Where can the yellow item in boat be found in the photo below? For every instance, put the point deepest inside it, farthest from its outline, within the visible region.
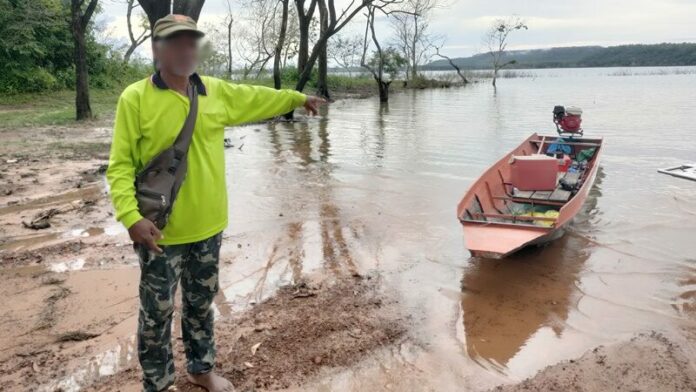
(548, 214)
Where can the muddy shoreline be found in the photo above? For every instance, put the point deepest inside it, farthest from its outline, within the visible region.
(70, 288)
(647, 362)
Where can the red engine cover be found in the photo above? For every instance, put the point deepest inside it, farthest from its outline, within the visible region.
(570, 123)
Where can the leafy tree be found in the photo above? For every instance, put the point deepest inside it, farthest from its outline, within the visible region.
(36, 48)
(392, 61)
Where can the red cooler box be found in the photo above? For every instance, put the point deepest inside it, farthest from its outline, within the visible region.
(534, 172)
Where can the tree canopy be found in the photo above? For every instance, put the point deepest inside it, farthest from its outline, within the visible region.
(36, 51)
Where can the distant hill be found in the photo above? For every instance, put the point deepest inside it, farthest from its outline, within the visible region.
(584, 56)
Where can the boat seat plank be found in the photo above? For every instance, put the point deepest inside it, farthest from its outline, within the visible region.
(525, 201)
(581, 144)
(515, 217)
(541, 195)
(560, 194)
(523, 194)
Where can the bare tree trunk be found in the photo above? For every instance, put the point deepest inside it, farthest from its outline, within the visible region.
(383, 90)
(229, 40)
(135, 42)
(83, 110)
(190, 8)
(157, 9)
(229, 50)
(414, 42)
(378, 74)
(336, 23)
(307, 70)
(79, 20)
(304, 19)
(449, 59)
(129, 53)
(278, 53)
(322, 86)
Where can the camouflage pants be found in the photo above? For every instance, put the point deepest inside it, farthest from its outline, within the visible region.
(196, 264)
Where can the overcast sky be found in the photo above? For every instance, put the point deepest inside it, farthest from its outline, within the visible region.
(551, 22)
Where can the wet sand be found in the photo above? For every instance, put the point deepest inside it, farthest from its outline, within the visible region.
(644, 363)
(323, 202)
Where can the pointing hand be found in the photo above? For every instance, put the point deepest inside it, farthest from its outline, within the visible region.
(313, 103)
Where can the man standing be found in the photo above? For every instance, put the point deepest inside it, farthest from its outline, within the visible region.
(149, 116)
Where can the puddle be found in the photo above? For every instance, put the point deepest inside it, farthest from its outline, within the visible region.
(102, 365)
(17, 243)
(29, 241)
(89, 192)
(67, 266)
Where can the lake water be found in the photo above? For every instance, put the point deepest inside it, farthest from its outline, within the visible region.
(370, 188)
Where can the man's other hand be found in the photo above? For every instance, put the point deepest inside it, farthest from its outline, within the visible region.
(313, 103)
(144, 232)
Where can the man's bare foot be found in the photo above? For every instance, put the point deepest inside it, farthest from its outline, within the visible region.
(212, 382)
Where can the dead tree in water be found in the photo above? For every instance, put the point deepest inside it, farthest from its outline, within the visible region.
(336, 22)
(79, 21)
(322, 85)
(449, 60)
(382, 60)
(496, 41)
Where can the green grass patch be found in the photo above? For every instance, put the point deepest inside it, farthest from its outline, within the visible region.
(52, 108)
(58, 107)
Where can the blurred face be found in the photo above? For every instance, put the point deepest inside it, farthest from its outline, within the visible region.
(177, 54)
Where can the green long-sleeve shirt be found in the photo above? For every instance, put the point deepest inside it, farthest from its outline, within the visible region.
(149, 117)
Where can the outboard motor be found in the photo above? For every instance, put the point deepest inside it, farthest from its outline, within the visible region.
(568, 120)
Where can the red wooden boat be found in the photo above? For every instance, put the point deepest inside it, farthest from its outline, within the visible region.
(499, 218)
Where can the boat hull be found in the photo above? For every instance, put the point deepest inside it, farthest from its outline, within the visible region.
(541, 240)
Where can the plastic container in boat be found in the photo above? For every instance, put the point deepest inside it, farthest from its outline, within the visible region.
(534, 172)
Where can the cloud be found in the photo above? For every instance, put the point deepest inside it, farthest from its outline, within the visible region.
(551, 22)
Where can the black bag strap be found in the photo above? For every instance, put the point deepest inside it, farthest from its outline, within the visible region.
(183, 140)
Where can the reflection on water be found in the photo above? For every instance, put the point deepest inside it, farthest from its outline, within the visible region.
(504, 302)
